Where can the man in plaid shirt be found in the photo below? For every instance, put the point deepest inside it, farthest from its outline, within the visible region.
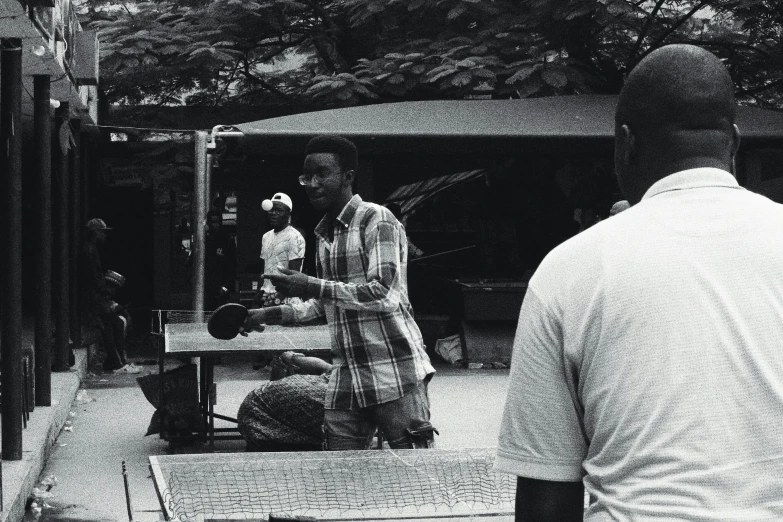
(381, 369)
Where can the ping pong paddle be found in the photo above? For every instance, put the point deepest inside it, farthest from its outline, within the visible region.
(226, 321)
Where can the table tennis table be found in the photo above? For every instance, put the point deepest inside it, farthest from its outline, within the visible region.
(413, 485)
(185, 335)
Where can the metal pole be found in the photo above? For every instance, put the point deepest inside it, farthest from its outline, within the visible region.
(75, 239)
(11, 253)
(208, 183)
(60, 294)
(127, 492)
(42, 137)
(199, 221)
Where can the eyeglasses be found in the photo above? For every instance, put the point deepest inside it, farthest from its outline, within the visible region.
(307, 179)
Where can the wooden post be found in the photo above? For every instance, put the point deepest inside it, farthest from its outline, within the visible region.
(61, 292)
(42, 136)
(11, 251)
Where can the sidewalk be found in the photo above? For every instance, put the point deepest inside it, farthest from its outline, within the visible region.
(44, 426)
(109, 420)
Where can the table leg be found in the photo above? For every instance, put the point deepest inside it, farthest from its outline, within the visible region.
(211, 402)
(202, 394)
(161, 387)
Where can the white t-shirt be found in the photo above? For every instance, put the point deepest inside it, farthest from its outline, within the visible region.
(648, 359)
(278, 248)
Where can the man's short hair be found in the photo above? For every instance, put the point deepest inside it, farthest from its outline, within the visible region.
(677, 87)
(343, 148)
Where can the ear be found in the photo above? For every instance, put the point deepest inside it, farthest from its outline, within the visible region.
(628, 139)
(349, 176)
(735, 140)
(625, 154)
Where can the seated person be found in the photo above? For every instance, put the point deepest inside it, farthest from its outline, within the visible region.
(114, 321)
(287, 412)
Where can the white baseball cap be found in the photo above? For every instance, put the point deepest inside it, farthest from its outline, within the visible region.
(282, 198)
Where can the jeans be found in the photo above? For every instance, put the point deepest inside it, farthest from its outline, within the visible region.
(404, 422)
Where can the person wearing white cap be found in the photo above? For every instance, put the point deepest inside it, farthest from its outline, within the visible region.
(283, 245)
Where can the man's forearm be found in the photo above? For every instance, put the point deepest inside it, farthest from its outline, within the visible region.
(271, 314)
(310, 311)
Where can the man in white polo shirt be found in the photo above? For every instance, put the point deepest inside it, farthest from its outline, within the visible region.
(648, 360)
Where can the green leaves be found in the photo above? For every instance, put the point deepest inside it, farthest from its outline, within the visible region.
(322, 53)
(340, 89)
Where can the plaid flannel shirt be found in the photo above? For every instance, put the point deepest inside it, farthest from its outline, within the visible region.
(377, 350)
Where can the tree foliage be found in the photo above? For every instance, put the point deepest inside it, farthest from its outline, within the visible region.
(324, 53)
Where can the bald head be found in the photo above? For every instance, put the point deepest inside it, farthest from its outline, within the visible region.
(676, 111)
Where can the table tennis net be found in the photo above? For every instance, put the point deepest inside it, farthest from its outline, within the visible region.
(367, 485)
(186, 316)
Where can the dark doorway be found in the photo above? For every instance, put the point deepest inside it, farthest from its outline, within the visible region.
(129, 246)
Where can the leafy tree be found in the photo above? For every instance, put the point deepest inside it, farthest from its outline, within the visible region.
(346, 52)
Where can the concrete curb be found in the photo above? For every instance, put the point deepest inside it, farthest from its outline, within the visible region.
(45, 424)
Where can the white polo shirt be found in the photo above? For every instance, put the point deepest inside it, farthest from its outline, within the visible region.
(278, 248)
(648, 360)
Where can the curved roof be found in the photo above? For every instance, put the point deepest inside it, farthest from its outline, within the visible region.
(449, 124)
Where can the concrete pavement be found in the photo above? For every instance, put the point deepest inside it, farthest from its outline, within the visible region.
(109, 418)
(19, 477)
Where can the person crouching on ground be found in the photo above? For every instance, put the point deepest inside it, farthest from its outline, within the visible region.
(286, 413)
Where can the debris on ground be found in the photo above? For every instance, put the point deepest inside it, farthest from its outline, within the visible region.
(36, 502)
(83, 397)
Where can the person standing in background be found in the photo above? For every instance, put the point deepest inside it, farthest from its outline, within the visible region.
(283, 246)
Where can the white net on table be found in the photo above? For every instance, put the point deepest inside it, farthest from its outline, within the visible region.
(187, 316)
(335, 485)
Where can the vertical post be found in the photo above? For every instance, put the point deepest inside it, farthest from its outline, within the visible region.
(76, 225)
(199, 218)
(208, 182)
(11, 252)
(61, 294)
(42, 157)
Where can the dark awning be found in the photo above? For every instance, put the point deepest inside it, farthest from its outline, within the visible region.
(470, 126)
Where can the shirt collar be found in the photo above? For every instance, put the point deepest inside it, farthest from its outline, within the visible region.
(344, 217)
(692, 178)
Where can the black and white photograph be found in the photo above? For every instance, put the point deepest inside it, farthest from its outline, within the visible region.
(391, 260)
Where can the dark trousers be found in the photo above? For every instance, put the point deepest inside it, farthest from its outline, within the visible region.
(113, 332)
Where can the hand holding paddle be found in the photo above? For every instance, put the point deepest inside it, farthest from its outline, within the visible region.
(227, 321)
(233, 319)
(254, 322)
